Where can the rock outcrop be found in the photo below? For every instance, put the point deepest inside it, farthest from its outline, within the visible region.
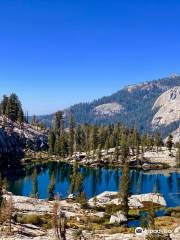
(15, 138)
(135, 201)
(108, 109)
(118, 218)
(168, 105)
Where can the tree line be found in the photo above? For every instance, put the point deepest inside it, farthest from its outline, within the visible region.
(11, 107)
(93, 138)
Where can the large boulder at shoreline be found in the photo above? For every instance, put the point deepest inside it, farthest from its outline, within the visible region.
(135, 201)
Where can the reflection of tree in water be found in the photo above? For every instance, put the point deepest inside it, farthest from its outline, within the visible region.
(155, 184)
(178, 184)
(52, 184)
(52, 167)
(107, 177)
(143, 181)
(138, 182)
(35, 183)
(99, 175)
(63, 172)
(93, 182)
(170, 182)
(116, 177)
(132, 178)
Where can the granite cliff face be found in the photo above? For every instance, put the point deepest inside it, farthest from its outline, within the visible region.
(15, 139)
(168, 105)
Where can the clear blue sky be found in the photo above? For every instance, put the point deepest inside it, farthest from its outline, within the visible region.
(54, 53)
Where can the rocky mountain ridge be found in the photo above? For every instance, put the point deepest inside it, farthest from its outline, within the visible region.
(134, 105)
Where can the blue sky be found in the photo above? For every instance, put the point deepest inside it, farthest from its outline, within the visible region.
(54, 53)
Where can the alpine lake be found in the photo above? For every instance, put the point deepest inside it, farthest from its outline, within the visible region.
(96, 180)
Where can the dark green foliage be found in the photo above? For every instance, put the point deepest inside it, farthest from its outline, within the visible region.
(51, 141)
(57, 126)
(93, 139)
(71, 134)
(124, 147)
(11, 107)
(3, 105)
(169, 142)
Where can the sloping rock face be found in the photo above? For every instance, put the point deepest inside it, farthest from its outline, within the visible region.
(108, 109)
(168, 105)
(10, 147)
(15, 138)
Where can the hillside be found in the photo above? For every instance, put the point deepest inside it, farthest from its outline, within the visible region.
(134, 105)
(16, 138)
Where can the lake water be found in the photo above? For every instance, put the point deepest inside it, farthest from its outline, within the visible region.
(95, 181)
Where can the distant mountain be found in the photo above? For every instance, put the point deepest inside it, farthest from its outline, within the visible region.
(146, 105)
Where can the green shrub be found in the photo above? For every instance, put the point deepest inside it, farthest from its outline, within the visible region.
(38, 220)
(112, 208)
(173, 212)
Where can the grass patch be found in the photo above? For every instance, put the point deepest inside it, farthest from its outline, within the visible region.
(43, 221)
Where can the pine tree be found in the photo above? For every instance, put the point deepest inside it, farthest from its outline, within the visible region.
(94, 138)
(51, 141)
(57, 122)
(57, 145)
(158, 141)
(63, 145)
(99, 153)
(116, 153)
(124, 147)
(20, 116)
(169, 142)
(124, 189)
(143, 142)
(4, 105)
(13, 107)
(71, 134)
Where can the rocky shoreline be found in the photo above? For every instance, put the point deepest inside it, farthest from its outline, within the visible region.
(149, 160)
(92, 223)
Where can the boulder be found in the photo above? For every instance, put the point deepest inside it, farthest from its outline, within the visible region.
(118, 218)
(70, 196)
(99, 214)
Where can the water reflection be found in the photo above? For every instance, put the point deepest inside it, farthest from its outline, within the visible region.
(95, 181)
